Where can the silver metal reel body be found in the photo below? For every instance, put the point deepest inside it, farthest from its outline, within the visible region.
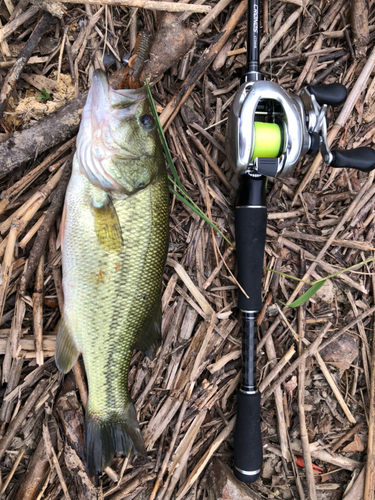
(298, 116)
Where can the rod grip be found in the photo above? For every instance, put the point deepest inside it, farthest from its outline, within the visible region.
(248, 454)
(251, 224)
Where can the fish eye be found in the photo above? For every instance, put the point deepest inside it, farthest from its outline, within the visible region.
(147, 122)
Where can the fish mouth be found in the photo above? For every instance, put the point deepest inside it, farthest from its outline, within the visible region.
(107, 97)
(120, 104)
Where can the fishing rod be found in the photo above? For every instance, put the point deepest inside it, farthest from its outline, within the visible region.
(269, 130)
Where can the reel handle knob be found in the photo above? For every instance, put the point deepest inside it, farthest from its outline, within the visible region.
(360, 159)
(333, 94)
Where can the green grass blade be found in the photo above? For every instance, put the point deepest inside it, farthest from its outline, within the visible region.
(307, 295)
(317, 284)
(286, 275)
(347, 269)
(163, 139)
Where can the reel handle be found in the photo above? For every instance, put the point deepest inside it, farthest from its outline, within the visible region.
(362, 159)
(248, 455)
(333, 94)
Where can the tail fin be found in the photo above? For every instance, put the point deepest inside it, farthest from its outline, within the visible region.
(117, 433)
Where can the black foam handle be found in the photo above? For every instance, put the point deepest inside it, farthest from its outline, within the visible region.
(251, 224)
(248, 454)
(361, 159)
(333, 94)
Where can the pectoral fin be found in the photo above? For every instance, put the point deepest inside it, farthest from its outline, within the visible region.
(150, 339)
(107, 225)
(66, 352)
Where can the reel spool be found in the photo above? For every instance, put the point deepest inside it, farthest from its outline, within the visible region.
(268, 140)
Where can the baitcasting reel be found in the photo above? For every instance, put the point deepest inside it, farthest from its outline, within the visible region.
(269, 130)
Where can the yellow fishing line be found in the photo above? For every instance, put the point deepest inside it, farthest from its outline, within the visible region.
(267, 140)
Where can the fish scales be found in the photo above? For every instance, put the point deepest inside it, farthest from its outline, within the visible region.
(112, 283)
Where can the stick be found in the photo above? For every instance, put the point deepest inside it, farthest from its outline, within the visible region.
(12, 471)
(27, 345)
(201, 67)
(52, 455)
(182, 454)
(324, 265)
(280, 413)
(198, 469)
(16, 423)
(281, 32)
(56, 270)
(277, 368)
(38, 311)
(348, 327)
(80, 382)
(32, 206)
(346, 437)
(43, 233)
(15, 73)
(6, 269)
(12, 383)
(359, 26)
(356, 491)
(11, 194)
(205, 22)
(329, 70)
(301, 396)
(147, 4)
(335, 389)
(370, 464)
(11, 27)
(33, 479)
(333, 235)
(52, 130)
(209, 159)
(306, 353)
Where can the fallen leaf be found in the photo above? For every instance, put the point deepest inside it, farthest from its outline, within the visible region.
(326, 478)
(355, 445)
(325, 425)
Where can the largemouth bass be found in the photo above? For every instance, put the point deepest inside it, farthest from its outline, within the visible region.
(114, 237)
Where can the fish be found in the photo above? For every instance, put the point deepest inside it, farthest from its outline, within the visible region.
(114, 241)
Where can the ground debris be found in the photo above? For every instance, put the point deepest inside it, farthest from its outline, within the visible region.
(316, 364)
(341, 353)
(224, 486)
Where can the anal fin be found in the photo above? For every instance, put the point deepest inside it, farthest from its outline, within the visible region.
(66, 352)
(149, 340)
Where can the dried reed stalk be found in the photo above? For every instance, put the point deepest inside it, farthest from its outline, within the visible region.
(147, 4)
